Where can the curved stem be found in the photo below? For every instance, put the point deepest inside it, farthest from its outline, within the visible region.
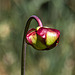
(24, 41)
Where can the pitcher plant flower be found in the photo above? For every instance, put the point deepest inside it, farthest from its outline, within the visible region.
(41, 38)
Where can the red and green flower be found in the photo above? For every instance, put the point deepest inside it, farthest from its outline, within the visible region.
(43, 38)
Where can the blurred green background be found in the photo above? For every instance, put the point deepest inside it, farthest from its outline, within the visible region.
(58, 14)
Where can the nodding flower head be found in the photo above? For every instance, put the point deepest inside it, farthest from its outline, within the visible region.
(43, 38)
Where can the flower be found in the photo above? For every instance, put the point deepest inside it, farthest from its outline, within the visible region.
(43, 38)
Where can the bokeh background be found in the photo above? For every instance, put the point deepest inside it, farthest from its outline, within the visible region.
(58, 14)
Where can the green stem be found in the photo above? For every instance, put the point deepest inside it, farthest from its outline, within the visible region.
(24, 41)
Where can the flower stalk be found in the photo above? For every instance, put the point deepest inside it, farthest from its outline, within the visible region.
(23, 58)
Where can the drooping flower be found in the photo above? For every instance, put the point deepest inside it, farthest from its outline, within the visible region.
(43, 38)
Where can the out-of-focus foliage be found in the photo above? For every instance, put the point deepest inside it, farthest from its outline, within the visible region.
(59, 14)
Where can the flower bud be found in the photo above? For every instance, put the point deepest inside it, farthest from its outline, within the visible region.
(43, 38)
